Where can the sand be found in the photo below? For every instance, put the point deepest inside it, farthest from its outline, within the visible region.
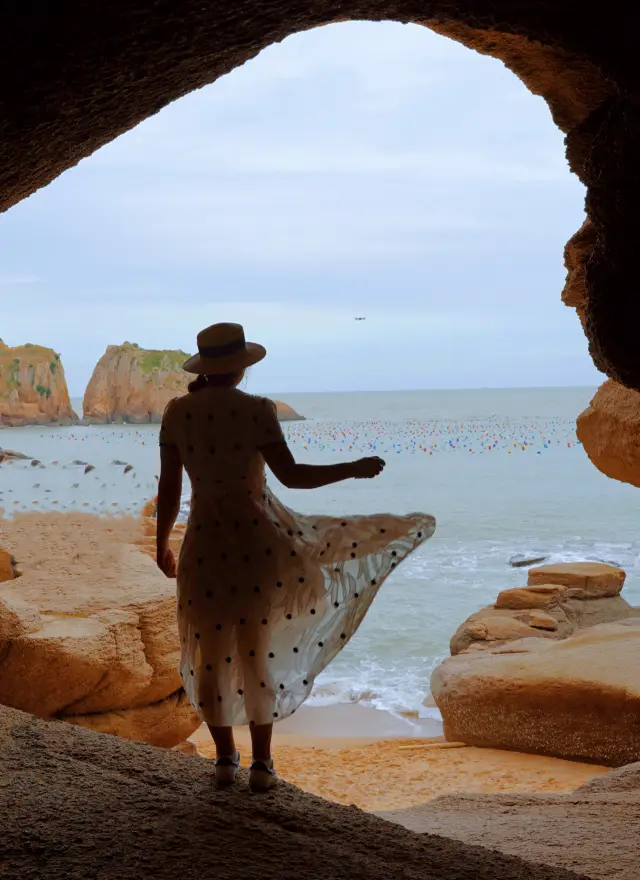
(395, 771)
(348, 754)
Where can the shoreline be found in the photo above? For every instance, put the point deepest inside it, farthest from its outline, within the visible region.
(368, 758)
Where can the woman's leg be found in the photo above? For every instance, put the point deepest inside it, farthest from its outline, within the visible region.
(223, 738)
(261, 741)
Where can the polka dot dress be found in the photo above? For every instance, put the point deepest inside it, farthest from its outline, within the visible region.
(266, 596)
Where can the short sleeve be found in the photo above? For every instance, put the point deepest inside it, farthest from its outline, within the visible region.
(267, 424)
(167, 434)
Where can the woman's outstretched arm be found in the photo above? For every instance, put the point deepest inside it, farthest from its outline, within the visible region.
(312, 476)
(169, 492)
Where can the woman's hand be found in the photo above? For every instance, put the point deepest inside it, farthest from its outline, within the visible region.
(166, 561)
(366, 468)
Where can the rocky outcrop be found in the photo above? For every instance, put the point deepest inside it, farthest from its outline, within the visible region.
(548, 668)
(12, 455)
(33, 390)
(578, 698)
(287, 413)
(77, 805)
(558, 600)
(609, 429)
(88, 634)
(134, 385)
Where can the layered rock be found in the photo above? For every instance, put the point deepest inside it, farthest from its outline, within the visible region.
(132, 384)
(548, 668)
(90, 636)
(33, 389)
(558, 600)
(609, 429)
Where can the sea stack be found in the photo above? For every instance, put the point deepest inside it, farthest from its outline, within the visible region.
(133, 385)
(33, 389)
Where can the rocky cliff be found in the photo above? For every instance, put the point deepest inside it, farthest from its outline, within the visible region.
(133, 384)
(33, 389)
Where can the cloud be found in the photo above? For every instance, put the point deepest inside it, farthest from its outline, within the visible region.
(362, 168)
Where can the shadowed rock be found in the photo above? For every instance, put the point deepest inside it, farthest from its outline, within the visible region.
(592, 831)
(77, 804)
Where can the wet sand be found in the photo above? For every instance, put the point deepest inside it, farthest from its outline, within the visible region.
(363, 757)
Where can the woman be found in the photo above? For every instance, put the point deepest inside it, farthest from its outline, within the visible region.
(266, 596)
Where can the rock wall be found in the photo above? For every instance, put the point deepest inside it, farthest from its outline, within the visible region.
(133, 384)
(33, 389)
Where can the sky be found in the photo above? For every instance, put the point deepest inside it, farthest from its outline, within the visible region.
(360, 169)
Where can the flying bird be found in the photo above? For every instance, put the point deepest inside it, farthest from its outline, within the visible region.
(360, 319)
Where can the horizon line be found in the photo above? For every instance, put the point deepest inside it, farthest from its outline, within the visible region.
(421, 390)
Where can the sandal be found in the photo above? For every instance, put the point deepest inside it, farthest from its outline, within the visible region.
(226, 768)
(262, 776)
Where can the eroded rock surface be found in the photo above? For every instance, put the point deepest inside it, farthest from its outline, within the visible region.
(541, 670)
(33, 389)
(592, 831)
(558, 600)
(75, 804)
(88, 634)
(609, 430)
(576, 698)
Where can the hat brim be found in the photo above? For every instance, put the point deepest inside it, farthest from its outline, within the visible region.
(239, 360)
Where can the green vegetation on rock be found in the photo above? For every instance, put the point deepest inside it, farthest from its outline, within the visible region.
(158, 361)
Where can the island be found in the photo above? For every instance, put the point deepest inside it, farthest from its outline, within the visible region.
(33, 389)
(132, 385)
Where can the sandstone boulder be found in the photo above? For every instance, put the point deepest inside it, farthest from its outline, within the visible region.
(538, 596)
(577, 698)
(608, 430)
(8, 569)
(494, 626)
(90, 636)
(558, 600)
(583, 580)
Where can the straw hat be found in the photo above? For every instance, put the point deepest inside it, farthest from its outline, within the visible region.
(222, 349)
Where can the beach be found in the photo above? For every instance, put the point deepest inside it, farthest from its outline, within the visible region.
(370, 734)
(451, 454)
(363, 757)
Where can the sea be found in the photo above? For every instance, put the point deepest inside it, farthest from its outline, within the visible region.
(501, 470)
